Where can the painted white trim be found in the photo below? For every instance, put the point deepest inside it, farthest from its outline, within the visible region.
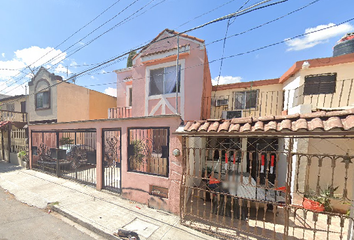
(127, 95)
(168, 104)
(157, 106)
(170, 95)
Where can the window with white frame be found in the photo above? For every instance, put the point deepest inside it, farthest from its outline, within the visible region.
(129, 96)
(42, 100)
(246, 99)
(163, 80)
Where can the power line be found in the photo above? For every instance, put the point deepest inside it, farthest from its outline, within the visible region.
(77, 31)
(234, 35)
(242, 12)
(122, 22)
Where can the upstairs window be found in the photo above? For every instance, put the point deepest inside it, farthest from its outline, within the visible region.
(10, 107)
(163, 80)
(42, 100)
(320, 84)
(246, 100)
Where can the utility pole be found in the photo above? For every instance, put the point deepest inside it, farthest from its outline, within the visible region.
(177, 73)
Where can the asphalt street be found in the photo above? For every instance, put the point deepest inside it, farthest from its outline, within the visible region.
(20, 221)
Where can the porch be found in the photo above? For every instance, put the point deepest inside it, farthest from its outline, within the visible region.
(243, 180)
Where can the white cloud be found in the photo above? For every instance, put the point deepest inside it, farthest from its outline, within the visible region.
(13, 88)
(92, 77)
(111, 91)
(3, 55)
(23, 58)
(320, 37)
(226, 80)
(62, 69)
(82, 43)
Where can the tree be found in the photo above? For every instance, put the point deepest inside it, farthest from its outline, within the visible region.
(130, 58)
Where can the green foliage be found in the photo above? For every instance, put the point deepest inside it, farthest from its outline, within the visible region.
(324, 197)
(66, 140)
(130, 58)
(138, 150)
(21, 154)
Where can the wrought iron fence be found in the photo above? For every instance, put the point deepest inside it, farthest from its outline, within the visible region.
(69, 154)
(148, 150)
(269, 188)
(112, 159)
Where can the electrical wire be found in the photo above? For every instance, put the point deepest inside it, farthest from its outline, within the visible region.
(158, 40)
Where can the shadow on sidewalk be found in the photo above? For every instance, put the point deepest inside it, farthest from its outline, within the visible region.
(8, 167)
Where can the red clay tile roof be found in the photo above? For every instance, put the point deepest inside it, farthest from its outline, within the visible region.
(246, 84)
(164, 50)
(317, 121)
(3, 123)
(318, 62)
(171, 32)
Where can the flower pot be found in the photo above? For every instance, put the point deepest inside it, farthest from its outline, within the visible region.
(312, 205)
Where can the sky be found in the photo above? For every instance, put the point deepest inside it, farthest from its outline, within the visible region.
(70, 36)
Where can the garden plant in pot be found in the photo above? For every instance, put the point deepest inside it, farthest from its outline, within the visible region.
(320, 202)
(24, 158)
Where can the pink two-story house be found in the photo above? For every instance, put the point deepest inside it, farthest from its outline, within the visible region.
(148, 88)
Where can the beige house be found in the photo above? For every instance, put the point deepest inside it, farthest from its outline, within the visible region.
(12, 104)
(319, 84)
(53, 100)
(244, 99)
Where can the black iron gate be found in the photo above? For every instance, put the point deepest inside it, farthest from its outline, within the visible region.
(67, 153)
(111, 144)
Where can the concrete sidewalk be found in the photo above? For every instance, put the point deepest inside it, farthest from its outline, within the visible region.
(97, 210)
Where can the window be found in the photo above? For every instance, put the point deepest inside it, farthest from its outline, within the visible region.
(320, 84)
(130, 97)
(163, 80)
(148, 150)
(23, 106)
(10, 106)
(246, 100)
(42, 100)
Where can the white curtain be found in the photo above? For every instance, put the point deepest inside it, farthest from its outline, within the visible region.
(170, 79)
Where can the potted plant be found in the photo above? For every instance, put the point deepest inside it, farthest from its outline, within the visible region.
(137, 156)
(22, 155)
(320, 202)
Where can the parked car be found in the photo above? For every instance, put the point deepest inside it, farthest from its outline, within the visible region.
(78, 154)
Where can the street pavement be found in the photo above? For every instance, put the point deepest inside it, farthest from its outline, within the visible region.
(100, 211)
(20, 221)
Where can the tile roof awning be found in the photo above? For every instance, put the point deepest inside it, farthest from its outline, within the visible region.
(4, 123)
(341, 122)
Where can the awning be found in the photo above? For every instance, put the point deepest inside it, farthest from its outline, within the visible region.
(317, 123)
(4, 124)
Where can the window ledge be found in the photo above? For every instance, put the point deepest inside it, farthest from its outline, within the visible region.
(168, 95)
(39, 109)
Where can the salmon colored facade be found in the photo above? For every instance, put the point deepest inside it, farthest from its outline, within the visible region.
(146, 99)
(134, 185)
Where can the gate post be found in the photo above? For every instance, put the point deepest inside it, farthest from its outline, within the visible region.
(288, 189)
(99, 170)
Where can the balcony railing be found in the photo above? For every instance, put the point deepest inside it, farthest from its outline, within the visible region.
(120, 112)
(13, 116)
(343, 96)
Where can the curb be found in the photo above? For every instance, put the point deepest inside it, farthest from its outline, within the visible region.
(82, 223)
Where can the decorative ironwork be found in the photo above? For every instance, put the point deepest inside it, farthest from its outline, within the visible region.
(261, 187)
(112, 159)
(148, 150)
